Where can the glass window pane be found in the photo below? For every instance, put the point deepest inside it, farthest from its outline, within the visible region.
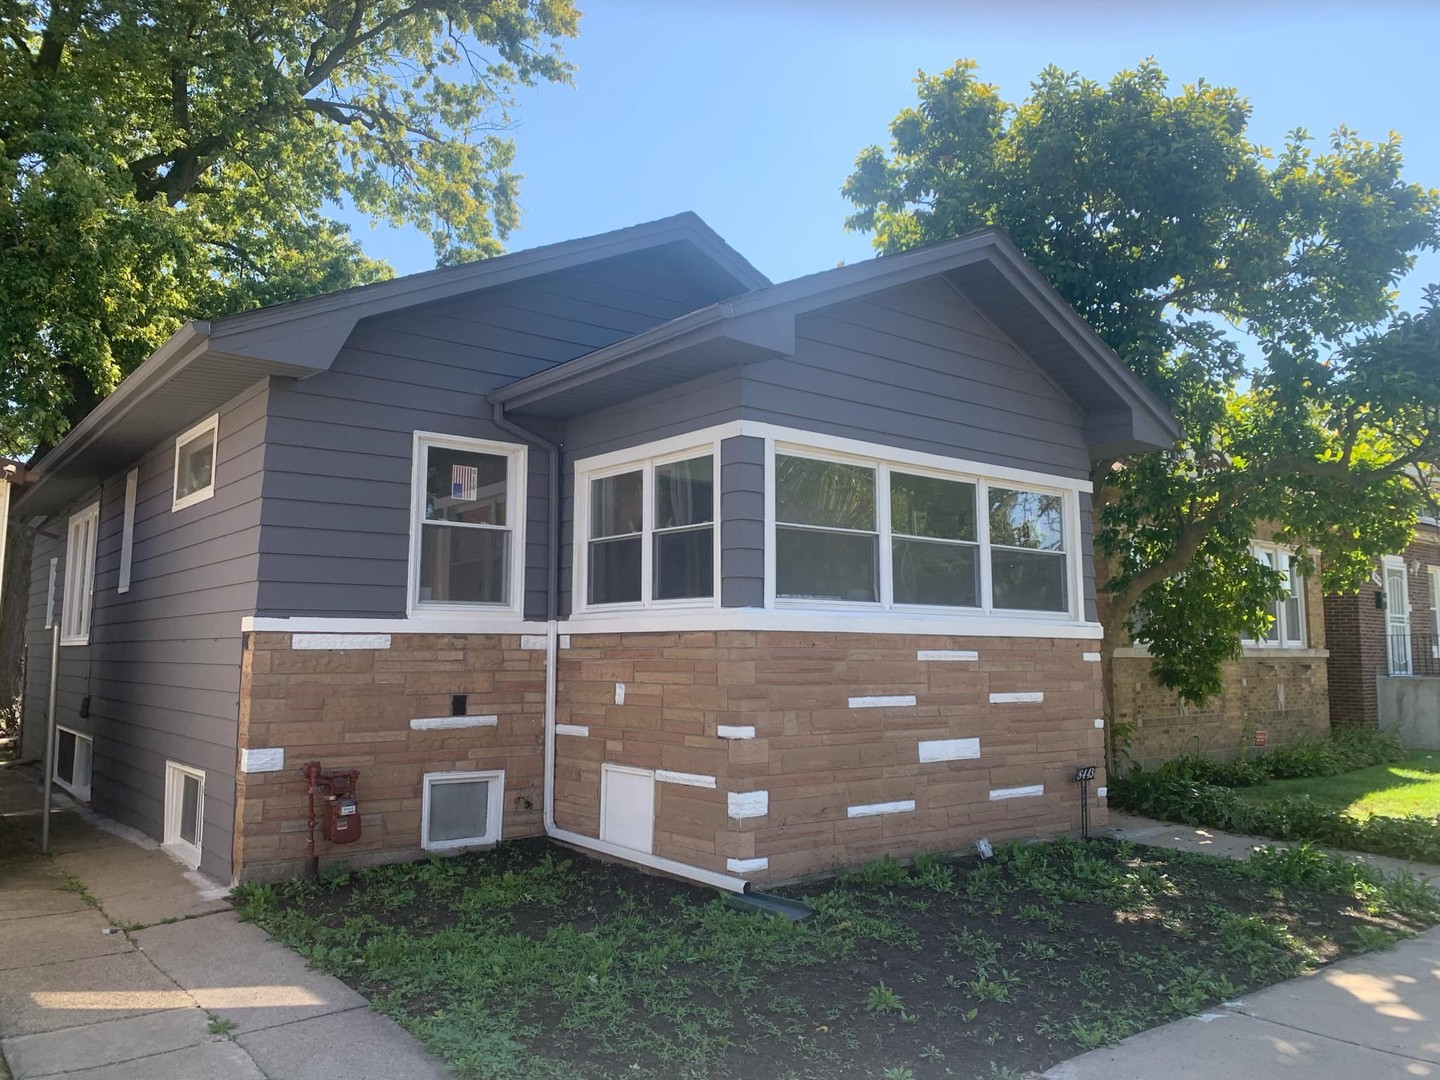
(615, 505)
(189, 808)
(824, 565)
(464, 486)
(827, 493)
(197, 464)
(928, 573)
(1026, 519)
(615, 571)
(65, 756)
(464, 566)
(1028, 581)
(459, 810)
(1294, 621)
(928, 506)
(685, 493)
(684, 564)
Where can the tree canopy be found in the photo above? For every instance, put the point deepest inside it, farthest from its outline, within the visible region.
(1254, 291)
(174, 159)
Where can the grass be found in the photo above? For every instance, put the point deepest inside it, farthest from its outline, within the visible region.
(1400, 789)
(533, 963)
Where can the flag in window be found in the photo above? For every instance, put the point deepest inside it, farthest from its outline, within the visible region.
(464, 479)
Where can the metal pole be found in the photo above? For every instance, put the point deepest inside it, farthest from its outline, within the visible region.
(50, 738)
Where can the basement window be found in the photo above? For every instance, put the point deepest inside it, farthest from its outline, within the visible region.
(184, 811)
(73, 753)
(461, 809)
(195, 464)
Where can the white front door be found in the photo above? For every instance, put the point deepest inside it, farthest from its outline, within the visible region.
(1397, 616)
(627, 807)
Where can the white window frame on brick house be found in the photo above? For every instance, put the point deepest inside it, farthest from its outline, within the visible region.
(79, 601)
(82, 755)
(644, 460)
(194, 438)
(887, 460)
(516, 507)
(175, 776)
(494, 810)
(1271, 554)
(1432, 574)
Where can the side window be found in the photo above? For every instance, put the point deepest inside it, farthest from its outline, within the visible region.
(50, 593)
(195, 464)
(827, 538)
(79, 576)
(127, 534)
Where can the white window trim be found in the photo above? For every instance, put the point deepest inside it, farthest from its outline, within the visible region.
(1280, 642)
(494, 810)
(80, 791)
(642, 459)
(174, 792)
(127, 530)
(516, 509)
(50, 592)
(1432, 573)
(884, 460)
(212, 425)
(79, 601)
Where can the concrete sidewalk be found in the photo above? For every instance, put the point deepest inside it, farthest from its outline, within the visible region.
(1372, 1017)
(118, 963)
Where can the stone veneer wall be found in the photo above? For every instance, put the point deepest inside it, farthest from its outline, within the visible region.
(351, 707)
(814, 756)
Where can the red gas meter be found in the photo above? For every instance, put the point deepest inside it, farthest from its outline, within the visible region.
(340, 823)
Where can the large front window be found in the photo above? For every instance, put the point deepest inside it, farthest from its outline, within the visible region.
(466, 504)
(1287, 614)
(862, 532)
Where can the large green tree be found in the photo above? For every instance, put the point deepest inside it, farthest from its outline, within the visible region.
(173, 159)
(1254, 291)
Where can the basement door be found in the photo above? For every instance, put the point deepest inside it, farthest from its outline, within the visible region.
(1397, 616)
(627, 807)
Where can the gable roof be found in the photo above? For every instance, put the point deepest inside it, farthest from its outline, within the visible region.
(202, 365)
(1122, 415)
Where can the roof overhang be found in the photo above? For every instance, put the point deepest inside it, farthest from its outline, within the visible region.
(1122, 416)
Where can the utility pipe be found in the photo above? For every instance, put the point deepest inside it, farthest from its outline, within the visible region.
(697, 874)
(49, 757)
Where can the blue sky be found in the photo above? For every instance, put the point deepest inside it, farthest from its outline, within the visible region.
(751, 113)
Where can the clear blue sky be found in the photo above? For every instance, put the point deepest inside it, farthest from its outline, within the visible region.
(751, 113)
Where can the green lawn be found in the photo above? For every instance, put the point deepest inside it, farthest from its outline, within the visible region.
(1402, 788)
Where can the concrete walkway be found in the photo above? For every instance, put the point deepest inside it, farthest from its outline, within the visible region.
(118, 963)
(1372, 1017)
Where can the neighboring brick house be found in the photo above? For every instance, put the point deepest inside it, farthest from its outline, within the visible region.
(612, 541)
(1275, 694)
(1391, 627)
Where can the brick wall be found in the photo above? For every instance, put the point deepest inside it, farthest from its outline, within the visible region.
(352, 709)
(814, 755)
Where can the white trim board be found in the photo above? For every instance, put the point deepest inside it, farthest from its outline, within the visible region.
(1019, 698)
(947, 655)
(1029, 791)
(949, 749)
(890, 701)
(449, 723)
(581, 731)
(734, 731)
(265, 759)
(339, 641)
(746, 866)
(904, 806)
(747, 804)
(667, 776)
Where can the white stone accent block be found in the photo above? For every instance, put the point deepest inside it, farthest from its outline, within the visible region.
(875, 809)
(270, 760)
(892, 701)
(340, 641)
(1099, 721)
(746, 866)
(726, 731)
(1092, 657)
(448, 723)
(1016, 792)
(564, 641)
(619, 693)
(573, 729)
(748, 804)
(532, 641)
(949, 749)
(1100, 792)
(1016, 699)
(947, 654)
(689, 779)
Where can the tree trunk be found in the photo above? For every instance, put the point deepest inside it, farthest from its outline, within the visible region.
(14, 602)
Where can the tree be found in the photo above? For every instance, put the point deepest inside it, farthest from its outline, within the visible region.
(174, 159)
(1255, 293)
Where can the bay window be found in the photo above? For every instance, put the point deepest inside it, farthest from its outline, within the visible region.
(467, 497)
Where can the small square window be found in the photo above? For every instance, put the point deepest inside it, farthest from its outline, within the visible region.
(73, 752)
(195, 463)
(461, 809)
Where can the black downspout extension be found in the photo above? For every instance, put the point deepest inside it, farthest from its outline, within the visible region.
(552, 510)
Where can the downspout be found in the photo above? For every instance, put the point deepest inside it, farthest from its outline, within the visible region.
(697, 874)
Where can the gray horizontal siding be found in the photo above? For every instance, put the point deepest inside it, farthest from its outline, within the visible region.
(336, 515)
(162, 667)
(742, 513)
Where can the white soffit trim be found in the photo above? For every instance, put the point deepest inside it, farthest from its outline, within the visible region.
(665, 776)
(581, 730)
(446, 723)
(1029, 791)
(1017, 698)
(891, 701)
(949, 749)
(267, 760)
(746, 866)
(748, 804)
(951, 655)
(339, 641)
(730, 731)
(876, 809)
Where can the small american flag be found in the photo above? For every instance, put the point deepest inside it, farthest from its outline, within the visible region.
(464, 479)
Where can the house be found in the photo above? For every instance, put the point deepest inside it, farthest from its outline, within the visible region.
(1274, 694)
(1385, 643)
(612, 540)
